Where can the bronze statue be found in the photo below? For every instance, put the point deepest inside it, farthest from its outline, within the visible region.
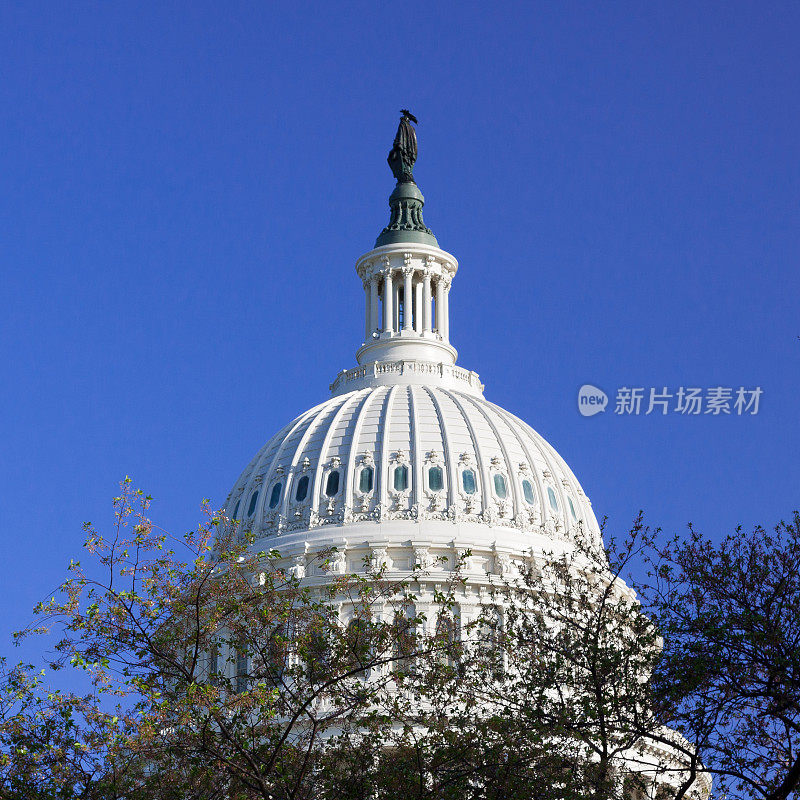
(404, 150)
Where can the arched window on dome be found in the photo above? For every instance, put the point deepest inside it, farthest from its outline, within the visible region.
(316, 644)
(500, 486)
(572, 509)
(276, 661)
(359, 646)
(401, 478)
(468, 481)
(404, 644)
(527, 492)
(242, 668)
(236, 510)
(332, 484)
(436, 479)
(551, 496)
(302, 489)
(447, 640)
(275, 497)
(253, 500)
(366, 478)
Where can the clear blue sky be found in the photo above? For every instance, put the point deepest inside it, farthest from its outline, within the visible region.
(186, 188)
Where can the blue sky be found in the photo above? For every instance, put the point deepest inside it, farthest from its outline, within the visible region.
(187, 186)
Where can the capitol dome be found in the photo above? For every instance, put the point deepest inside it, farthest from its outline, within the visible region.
(407, 455)
(411, 454)
(406, 469)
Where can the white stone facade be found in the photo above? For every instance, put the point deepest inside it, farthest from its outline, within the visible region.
(407, 463)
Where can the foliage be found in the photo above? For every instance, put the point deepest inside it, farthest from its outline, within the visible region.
(729, 677)
(216, 672)
(222, 673)
(546, 694)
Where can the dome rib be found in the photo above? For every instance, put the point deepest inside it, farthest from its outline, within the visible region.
(417, 456)
(452, 464)
(354, 450)
(269, 475)
(511, 476)
(511, 421)
(480, 465)
(385, 430)
(291, 472)
(547, 512)
(306, 437)
(322, 461)
(584, 507)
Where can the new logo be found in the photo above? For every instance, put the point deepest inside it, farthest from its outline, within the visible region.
(591, 400)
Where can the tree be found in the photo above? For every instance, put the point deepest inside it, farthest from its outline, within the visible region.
(547, 693)
(214, 671)
(729, 676)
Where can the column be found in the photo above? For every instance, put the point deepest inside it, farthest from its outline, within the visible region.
(367, 309)
(426, 303)
(440, 307)
(408, 300)
(374, 314)
(396, 300)
(418, 306)
(446, 312)
(388, 292)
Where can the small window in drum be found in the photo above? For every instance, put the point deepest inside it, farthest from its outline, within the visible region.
(468, 481)
(302, 489)
(275, 497)
(435, 479)
(365, 479)
(332, 484)
(252, 507)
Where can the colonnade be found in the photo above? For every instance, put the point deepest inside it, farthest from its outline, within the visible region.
(403, 301)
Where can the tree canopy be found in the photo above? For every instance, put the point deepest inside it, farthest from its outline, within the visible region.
(214, 670)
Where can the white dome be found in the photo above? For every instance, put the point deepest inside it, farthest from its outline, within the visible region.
(461, 459)
(407, 468)
(407, 453)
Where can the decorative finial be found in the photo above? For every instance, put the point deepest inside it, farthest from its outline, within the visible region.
(403, 154)
(406, 201)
